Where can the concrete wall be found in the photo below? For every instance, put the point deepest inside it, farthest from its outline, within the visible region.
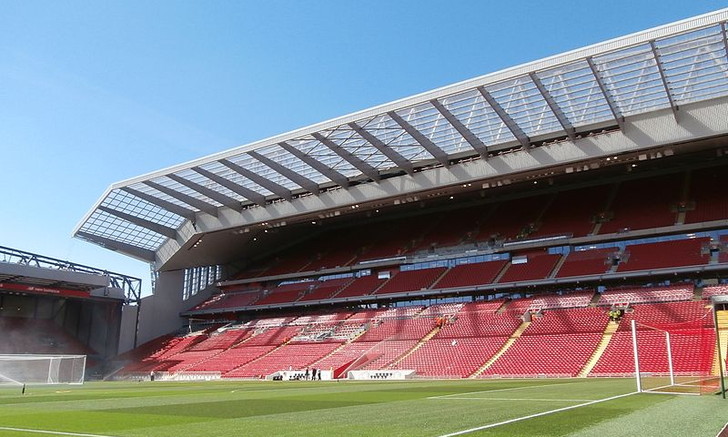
(159, 314)
(128, 328)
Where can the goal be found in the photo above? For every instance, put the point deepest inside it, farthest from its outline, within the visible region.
(677, 358)
(42, 369)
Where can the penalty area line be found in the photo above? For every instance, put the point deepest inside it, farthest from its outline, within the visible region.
(42, 431)
(545, 413)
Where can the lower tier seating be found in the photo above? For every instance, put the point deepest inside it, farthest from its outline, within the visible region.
(448, 340)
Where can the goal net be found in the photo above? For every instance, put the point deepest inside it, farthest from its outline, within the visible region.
(678, 358)
(42, 369)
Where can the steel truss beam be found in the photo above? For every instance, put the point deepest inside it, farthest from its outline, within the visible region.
(169, 206)
(352, 159)
(212, 194)
(302, 181)
(333, 175)
(197, 203)
(470, 137)
(249, 194)
(385, 150)
(425, 142)
(618, 117)
(555, 108)
(277, 189)
(673, 104)
(507, 119)
(147, 224)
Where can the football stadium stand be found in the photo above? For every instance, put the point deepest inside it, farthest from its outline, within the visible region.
(491, 228)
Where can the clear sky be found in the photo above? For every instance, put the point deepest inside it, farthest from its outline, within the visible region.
(95, 92)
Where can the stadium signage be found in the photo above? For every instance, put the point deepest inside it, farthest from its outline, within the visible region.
(43, 290)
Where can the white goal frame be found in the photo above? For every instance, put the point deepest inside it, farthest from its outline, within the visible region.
(42, 369)
(688, 384)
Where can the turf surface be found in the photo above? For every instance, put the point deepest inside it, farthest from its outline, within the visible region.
(417, 408)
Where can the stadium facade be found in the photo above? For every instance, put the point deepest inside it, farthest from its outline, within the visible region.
(496, 160)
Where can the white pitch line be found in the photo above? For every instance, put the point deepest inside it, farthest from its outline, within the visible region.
(522, 400)
(518, 419)
(500, 389)
(723, 432)
(40, 431)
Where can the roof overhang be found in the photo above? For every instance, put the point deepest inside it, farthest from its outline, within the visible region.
(664, 86)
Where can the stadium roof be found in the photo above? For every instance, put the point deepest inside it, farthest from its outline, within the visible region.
(426, 141)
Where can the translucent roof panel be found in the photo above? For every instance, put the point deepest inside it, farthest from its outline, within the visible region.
(346, 138)
(576, 92)
(471, 109)
(123, 201)
(234, 177)
(431, 123)
(183, 189)
(146, 189)
(695, 64)
(248, 162)
(281, 156)
(392, 135)
(322, 153)
(201, 180)
(521, 99)
(685, 61)
(108, 226)
(633, 79)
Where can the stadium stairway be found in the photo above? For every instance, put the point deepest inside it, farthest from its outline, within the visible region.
(515, 336)
(722, 317)
(419, 344)
(601, 347)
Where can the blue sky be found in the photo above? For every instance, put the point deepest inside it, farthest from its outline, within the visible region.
(92, 93)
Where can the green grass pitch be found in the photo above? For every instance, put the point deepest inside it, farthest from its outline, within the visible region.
(407, 408)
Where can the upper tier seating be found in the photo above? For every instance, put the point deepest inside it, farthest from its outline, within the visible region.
(326, 289)
(587, 262)
(230, 300)
(539, 266)
(706, 190)
(470, 275)
(665, 254)
(511, 218)
(644, 204)
(411, 280)
(572, 212)
(362, 286)
(633, 295)
(457, 227)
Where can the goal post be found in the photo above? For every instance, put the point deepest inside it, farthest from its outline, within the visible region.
(676, 358)
(42, 369)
